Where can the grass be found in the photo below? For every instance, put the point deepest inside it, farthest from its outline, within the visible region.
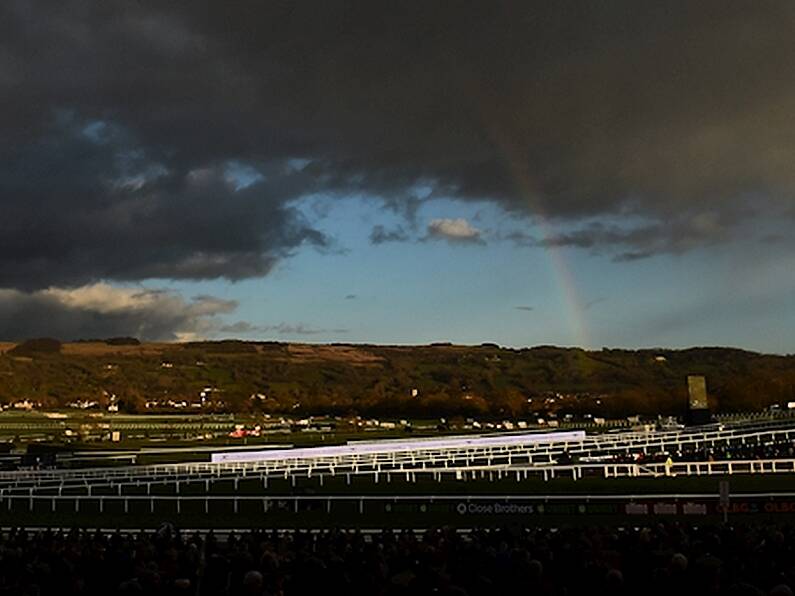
(575, 508)
(557, 502)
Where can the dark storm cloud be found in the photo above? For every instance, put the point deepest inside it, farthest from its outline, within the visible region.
(120, 120)
(104, 311)
(84, 201)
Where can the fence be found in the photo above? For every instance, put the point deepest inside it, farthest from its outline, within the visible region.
(498, 457)
(294, 504)
(175, 486)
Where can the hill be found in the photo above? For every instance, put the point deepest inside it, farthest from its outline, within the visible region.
(435, 380)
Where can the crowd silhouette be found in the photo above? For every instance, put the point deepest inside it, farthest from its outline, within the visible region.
(664, 559)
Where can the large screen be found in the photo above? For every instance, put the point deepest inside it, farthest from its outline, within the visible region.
(697, 388)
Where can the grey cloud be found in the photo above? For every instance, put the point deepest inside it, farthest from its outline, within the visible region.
(520, 238)
(79, 209)
(298, 329)
(677, 236)
(406, 205)
(575, 111)
(381, 235)
(591, 303)
(247, 328)
(239, 328)
(636, 255)
(104, 311)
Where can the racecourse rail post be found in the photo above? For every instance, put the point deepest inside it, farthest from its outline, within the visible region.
(723, 491)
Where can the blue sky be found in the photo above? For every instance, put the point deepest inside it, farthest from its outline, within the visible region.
(420, 290)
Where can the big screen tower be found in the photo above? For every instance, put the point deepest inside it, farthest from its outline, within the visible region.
(698, 407)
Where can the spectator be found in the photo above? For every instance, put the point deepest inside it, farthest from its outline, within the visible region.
(663, 559)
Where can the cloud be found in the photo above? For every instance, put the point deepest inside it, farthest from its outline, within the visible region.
(171, 140)
(77, 211)
(591, 303)
(629, 243)
(288, 329)
(525, 308)
(454, 230)
(239, 328)
(298, 329)
(380, 235)
(101, 310)
(520, 238)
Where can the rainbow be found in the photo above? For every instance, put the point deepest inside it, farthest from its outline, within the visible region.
(560, 269)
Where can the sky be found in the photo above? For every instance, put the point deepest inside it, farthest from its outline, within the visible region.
(588, 174)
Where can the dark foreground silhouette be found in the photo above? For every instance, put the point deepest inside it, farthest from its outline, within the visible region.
(668, 559)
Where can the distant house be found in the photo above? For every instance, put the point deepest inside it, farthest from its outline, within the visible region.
(25, 404)
(207, 393)
(83, 404)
